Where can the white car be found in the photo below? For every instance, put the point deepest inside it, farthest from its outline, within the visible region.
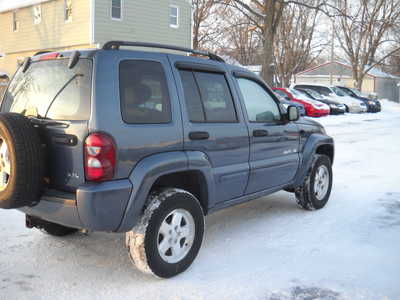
(333, 93)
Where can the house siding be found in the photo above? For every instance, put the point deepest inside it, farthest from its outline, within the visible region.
(52, 33)
(387, 88)
(145, 21)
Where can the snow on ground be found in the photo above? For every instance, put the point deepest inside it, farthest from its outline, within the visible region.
(265, 249)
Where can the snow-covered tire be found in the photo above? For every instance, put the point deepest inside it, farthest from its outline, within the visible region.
(152, 241)
(315, 191)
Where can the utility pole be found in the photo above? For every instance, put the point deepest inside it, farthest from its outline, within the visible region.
(332, 55)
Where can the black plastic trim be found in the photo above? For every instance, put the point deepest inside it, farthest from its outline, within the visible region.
(115, 45)
(190, 66)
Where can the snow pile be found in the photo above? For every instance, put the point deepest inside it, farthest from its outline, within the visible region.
(6, 5)
(389, 108)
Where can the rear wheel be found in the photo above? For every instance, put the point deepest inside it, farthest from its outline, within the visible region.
(49, 227)
(58, 230)
(169, 235)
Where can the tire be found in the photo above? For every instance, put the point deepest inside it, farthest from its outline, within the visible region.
(21, 162)
(146, 238)
(312, 195)
(347, 108)
(49, 227)
(58, 230)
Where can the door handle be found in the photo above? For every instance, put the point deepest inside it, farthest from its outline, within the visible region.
(260, 132)
(199, 135)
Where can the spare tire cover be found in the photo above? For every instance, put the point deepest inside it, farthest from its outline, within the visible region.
(21, 162)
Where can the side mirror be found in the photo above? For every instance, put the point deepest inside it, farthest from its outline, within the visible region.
(293, 113)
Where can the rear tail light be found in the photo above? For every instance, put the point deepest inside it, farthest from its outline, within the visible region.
(99, 157)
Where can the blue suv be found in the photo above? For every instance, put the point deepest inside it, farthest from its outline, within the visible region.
(148, 143)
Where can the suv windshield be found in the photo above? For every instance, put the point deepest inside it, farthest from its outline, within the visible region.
(50, 89)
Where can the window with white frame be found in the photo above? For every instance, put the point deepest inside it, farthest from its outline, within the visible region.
(67, 10)
(15, 22)
(37, 14)
(116, 9)
(173, 16)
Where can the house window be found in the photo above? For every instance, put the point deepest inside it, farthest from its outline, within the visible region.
(174, 16)
(116, 9)
(37, 14)
(15, 22)
(68, 10)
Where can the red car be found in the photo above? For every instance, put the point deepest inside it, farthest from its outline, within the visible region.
(313, 108)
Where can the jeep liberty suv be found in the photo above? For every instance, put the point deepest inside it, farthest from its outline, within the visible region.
(147, 144)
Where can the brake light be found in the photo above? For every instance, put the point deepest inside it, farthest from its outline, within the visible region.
(52, 55)
(99, 157)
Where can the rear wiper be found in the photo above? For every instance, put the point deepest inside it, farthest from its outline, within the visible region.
(41, 121)
(59, 92)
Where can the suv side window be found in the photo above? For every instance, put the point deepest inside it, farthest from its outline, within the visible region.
(208, 98)
(194, 105)
(260, 105)
(144, 92)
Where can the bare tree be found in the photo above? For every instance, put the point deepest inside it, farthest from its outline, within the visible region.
(202, 31)
(295, 47)
(239, 38)
(363, 33)
(267, 15)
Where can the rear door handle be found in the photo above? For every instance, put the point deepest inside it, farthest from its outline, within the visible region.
(199, 135)
(260, 132)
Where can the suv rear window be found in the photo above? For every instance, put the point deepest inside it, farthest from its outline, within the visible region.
(50, 89)
(144, 92)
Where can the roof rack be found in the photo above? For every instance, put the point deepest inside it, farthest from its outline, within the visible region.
(114, 45)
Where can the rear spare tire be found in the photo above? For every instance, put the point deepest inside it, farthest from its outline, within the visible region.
(21, 162)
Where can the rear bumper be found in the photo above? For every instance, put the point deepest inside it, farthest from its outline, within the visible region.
(94, 206)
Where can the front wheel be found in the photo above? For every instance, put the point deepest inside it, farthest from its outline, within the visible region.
(315, 191)
(168, 237)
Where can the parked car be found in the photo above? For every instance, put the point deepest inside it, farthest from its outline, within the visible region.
(286, 103)
(352, 105)
(336, 107)
(313, 108)
(148, 143)
(373, 105)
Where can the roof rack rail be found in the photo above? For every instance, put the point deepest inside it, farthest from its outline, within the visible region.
(114, 45)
